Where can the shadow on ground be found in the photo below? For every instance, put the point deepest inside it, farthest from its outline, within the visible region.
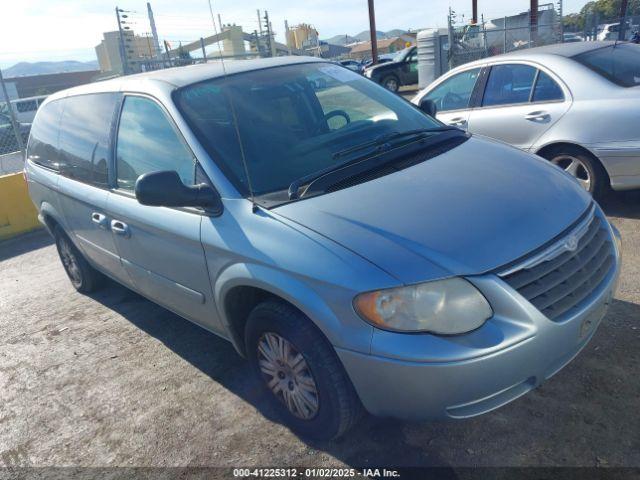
(539, 429)
(22, 244)
(622, 204)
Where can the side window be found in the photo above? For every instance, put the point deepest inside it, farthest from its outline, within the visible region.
(413, 57)
(85, 137)
(28, 106)
(43, 140)
(509, 84)
(455, 92)
(148, 142)
(547, 89)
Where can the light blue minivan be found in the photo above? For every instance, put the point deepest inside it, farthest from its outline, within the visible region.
(359, 253)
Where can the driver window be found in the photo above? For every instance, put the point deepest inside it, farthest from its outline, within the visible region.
(455, 92)
(148, 142)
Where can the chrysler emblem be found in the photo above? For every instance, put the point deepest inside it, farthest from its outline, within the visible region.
(571, 243)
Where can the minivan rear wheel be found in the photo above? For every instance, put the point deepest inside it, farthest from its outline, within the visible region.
(300, 372)
(83, 277)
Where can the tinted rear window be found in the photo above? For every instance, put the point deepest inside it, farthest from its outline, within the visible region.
(619, 64)
(43, 142)
(85, 137)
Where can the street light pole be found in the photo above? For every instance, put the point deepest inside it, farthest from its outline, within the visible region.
(372, 29)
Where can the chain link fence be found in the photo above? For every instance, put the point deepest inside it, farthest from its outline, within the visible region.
(501, 35)
(13, 134)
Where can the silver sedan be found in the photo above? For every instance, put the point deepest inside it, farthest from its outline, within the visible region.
(575, 104)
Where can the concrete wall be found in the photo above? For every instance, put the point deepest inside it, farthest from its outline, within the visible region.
(17, 213)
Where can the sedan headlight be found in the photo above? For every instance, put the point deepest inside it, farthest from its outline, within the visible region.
(444, 307)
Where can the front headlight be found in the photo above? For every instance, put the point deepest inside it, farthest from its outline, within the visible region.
(444, 307)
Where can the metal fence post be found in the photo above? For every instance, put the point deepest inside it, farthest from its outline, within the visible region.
(450, 25)
(12, 114)
(504, 47)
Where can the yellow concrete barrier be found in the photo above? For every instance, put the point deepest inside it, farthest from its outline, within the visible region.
(17, 213)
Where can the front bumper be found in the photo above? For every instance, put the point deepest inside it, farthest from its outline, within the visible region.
(421, 377)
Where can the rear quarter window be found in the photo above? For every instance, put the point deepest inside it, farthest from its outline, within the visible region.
(43, 142)
(619, 64)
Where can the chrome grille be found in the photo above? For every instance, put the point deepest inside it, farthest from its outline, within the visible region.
(557, 280)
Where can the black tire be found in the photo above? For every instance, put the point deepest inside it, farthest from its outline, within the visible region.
(589, 166)
(338, 405)
(83, 277)
(391, 82)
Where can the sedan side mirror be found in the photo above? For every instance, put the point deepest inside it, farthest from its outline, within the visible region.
(165, 189)
(428, 107)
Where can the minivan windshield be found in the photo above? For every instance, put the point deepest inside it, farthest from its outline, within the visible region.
(618, 63)
(292, 121)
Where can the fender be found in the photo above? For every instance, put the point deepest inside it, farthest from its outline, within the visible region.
(48, 210)
(294, 291)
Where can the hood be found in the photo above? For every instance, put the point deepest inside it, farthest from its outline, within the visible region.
(383, 66)
(468, 211)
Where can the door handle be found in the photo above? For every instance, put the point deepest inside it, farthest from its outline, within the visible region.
(458, 122)
(120, 228)
(537, 116)
(99, 219)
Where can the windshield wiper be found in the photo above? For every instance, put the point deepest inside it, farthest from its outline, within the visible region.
(381, 140)
(382, 143)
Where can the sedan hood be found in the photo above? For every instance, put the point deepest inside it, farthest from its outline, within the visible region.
(468, 211)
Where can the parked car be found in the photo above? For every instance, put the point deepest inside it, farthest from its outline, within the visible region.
(24, 109)
(352, 65)
(384, 58)
(345, 242)
(575, 104)
(402, 70)
(572, 37)
(8, 141)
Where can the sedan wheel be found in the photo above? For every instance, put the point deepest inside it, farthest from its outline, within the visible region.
(576, 168)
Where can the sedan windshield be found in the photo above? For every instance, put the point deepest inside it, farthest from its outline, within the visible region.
(618, 63)
(289, 122)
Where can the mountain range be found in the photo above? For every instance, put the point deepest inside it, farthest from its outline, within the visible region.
(363, 37)
(39, 68)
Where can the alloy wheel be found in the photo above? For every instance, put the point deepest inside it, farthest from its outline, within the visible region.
(576, 168)
(70, 262)
(288, 376)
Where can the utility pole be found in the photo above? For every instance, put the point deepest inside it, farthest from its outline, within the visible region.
(533, 23)
(561, 19)
(267, 29)
(204, 52)
(474, 15)
(154, 32)
(12, 114)
(622, 35)
(123, 52)
(220, 22)
(372, 30)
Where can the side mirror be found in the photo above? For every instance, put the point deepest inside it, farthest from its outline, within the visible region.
(165, 189)
(428, 107)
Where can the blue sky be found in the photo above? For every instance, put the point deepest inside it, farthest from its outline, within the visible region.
(40, 30)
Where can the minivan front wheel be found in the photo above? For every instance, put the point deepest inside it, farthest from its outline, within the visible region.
(83, 276)
(300, 372)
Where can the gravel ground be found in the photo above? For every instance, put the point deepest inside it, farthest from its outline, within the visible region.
(114, 380)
